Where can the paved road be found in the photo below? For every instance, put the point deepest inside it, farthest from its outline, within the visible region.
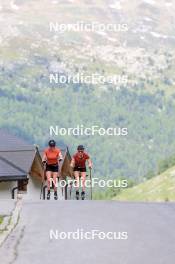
(150, 227)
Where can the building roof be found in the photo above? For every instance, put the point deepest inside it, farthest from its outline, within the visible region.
(16, 157)
(11, 142)
(7, 172)
(22, 159)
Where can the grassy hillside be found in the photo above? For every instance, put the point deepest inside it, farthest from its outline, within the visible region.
(159, 188)
(1, 219)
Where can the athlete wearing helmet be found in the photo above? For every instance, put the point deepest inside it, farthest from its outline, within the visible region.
(51, 158)
(78, 163)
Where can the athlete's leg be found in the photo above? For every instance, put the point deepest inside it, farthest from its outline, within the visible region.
(83, 180)
(48, 175)
(77, 180)
(55, 179)
(77, 183)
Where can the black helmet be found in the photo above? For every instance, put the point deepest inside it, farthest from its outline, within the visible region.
(52, 143)
(80, 147)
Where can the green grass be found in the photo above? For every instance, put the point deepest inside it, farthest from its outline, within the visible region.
(1, 219)
(157, 189)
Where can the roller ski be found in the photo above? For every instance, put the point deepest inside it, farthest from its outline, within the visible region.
(82, 195)
(55, 196)
(77, 195)
(48, 195)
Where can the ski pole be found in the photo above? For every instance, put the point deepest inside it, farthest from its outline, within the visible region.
(90, 170)
(41, 190)
(43, 179)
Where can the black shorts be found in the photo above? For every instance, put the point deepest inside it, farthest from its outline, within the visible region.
(52, 168)
(80, 169)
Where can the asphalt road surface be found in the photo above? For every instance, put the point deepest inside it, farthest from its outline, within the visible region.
(150, 231)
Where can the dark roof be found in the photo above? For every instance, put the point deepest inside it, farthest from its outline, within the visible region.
(11, 142)
(22, 158)
(16, 157)
(7, 172)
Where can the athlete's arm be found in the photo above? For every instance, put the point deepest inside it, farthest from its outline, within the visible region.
(89, 163)
(72, 164)
(60, 157)
(44, 159)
